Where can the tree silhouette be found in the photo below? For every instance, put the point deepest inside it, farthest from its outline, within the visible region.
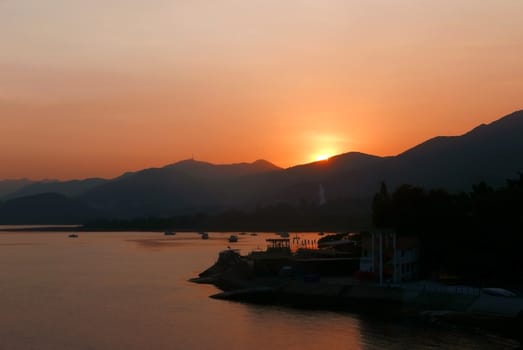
(476, 236)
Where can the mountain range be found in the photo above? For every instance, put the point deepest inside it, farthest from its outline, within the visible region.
(491, 153)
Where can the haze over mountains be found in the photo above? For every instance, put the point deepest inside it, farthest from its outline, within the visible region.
(490, 153)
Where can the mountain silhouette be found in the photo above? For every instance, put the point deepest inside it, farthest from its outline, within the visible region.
(179, 188)
(46, 208)
(9, 186)
(68, 188)
(491, 153)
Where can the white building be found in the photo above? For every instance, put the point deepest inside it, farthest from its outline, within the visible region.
(388, 257)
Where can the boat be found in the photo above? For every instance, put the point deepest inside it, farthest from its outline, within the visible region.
(243, 233)
(254, 234)
(169, 233)
(73, 235)
(233, 238)
(205, 235)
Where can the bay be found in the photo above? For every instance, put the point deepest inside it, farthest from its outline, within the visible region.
(130, 290)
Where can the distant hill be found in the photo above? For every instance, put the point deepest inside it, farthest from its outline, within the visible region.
(206, 170)
(490, 153)
(301, 184)
(179, 188)
(10, 186)
(68, 188)
(47, 208)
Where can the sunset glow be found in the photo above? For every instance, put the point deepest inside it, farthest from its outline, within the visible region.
(95, 89)
(322, 157)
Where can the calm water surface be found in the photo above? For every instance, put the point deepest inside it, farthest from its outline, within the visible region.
(130, 291)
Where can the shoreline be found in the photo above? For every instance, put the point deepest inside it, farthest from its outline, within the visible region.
(82, 228)
(425, 301)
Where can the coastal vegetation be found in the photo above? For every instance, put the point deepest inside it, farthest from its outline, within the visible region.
(335, 215)
(475, 237)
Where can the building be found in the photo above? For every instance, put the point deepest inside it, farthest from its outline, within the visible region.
(388, 257)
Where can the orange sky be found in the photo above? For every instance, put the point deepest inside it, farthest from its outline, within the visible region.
(97, 88)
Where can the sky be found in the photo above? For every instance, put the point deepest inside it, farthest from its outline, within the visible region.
(97, 88)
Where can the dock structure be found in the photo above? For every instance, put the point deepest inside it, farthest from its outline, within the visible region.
(270, 261)
(278, 243)
(278, 275)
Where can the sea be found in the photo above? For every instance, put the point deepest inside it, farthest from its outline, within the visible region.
(130, 290)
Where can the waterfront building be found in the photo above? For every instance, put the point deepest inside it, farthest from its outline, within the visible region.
(388, 257)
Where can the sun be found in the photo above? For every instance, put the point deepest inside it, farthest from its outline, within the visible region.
(321, 157)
